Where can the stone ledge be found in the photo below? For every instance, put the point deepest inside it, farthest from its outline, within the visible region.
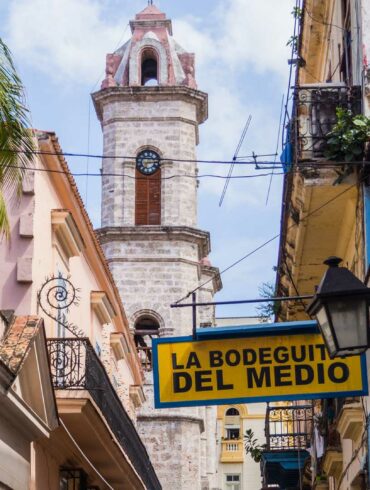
(161, 233)
(149, 119)
(172, 418)
(333, 462)
(161, 92)
(351, 421)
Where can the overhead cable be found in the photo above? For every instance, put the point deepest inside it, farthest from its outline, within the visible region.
(270, 240)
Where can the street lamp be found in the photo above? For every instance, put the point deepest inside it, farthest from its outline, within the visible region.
(341, 306)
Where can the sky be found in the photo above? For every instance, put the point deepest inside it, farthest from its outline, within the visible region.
(59, 48)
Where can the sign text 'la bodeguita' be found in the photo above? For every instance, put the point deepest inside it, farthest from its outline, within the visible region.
(283, 373)
(194, 372)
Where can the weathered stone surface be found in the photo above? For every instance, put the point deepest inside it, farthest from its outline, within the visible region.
(154, 266)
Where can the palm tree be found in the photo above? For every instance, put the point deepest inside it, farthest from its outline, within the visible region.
(16, 138)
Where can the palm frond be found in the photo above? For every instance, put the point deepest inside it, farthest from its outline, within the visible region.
(16, 139)
(4, 220)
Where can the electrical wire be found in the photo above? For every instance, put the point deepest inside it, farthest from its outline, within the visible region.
(311, 164)
(296, 170)
(270, 240)
(132, 157)
(224, 190)
(277, 147)
(190, 176)
(288, 98)
(329, 24)
(87, 460)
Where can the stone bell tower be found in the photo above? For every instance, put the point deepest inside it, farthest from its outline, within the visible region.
(150, 110)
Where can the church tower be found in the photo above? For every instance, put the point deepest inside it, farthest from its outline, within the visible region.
(150, 110)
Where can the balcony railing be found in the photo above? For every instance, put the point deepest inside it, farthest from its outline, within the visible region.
(288, 427)
(232, 451)
(315, 115)
(76, 366)
(145, 356)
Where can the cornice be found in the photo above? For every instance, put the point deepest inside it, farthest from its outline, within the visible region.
(148, 94)
(160, 233)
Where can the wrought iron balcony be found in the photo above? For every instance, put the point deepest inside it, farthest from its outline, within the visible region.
(76, 366)
(288, 427)
(315, 115)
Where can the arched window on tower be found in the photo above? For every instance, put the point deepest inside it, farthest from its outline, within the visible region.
(149, 68)
(148, 189)
(146, 327)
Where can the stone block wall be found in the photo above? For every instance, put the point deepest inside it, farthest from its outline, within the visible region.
(174, 444)
(168, 127)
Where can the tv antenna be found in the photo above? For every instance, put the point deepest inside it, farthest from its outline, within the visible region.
(234, 159)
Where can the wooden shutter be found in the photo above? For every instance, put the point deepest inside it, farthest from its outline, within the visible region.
(148, 199)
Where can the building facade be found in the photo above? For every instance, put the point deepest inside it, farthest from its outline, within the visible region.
(237, 470)
(150, 110)
(325, 213)
(67, 327)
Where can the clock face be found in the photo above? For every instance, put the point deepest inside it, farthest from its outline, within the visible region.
(147, 162)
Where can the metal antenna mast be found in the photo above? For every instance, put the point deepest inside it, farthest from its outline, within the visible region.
(234, 159)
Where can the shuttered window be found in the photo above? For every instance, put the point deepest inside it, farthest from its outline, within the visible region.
(148, 199)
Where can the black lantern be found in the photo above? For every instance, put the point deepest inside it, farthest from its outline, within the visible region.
(341, 306)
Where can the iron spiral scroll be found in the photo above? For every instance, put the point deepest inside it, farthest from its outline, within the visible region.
(55, 298)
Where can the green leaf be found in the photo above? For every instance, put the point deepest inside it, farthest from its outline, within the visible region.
(359, 122)
(16, 139)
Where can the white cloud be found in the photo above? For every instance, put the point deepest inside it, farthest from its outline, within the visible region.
(67, 40)
(256, 32)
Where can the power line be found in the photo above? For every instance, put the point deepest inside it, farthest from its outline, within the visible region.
(313, 164)
(329, 24)
(277, 147)
(190, 176)
(297, 169)
(126, 157)
(270, 240)
(246, 127)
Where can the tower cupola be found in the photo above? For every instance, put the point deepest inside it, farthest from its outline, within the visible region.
(151, 57)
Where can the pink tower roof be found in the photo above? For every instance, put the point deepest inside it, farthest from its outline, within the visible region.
(150, 12)
(153, 30)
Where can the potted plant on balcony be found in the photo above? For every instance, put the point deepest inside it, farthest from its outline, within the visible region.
(347, 140)
(252, 447)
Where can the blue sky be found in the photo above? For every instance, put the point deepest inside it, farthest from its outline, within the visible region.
(59, 48)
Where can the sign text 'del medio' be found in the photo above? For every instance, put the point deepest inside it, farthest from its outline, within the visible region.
(251, 369)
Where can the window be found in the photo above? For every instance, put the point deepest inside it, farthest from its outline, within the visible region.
(149, 68)
(232, 482)
(72, 479)
(232, 412)
(148, 198)
(146, 328)
(233, 433)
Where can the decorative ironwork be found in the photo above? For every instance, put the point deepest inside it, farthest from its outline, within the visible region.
(55, 297)
(288, 427)
(145, 356)
(68, 363)
(315, 115)
(75, 365)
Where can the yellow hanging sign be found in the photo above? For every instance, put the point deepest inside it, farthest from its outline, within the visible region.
(253, 369)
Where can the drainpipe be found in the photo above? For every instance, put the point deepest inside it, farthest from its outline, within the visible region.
(366, 190)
